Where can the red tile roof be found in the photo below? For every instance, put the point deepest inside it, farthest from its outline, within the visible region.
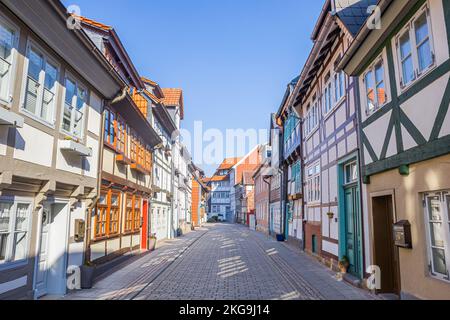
(218, 178)
(93, 23)
(229, 163)
(174, 98)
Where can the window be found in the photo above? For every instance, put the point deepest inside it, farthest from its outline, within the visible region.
(74, 108)
(375, 87)
(133, 213)
(312, 118)
(107, 217)
(8, 43)
(339, 85)
(313, 183)
(121, 137)
(134, 147)
(437, 214)
(41, 83)
(14, 230)
(110, 132)
(328, 104)
(137, 214)
(129, 214)
(148, 159)
(351, 172)
(415, 48)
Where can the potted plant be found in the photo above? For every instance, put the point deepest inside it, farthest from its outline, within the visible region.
(87, 275)
(152, 242)
(344, 264)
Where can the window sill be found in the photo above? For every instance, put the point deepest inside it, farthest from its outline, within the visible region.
(422, 75)
(377, 109)
(10, 118)
(72, 136)
(309, 135)
(334, 108)
(75, 148)
(34, 117)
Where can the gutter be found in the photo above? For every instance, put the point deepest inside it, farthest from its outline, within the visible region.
(62, 11)
(360, 38)
(310, 61)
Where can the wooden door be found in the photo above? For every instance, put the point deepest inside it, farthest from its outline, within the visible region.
(386, 254)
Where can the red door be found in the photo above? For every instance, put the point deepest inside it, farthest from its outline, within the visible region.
(144, 235)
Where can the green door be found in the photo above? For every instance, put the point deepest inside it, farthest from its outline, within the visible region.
(352, 234)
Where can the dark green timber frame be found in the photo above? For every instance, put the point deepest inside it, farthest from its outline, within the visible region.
(425, 150)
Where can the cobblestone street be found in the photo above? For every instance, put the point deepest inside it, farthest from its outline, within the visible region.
(222, 262)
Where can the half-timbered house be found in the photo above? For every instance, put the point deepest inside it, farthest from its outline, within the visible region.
(403, 70)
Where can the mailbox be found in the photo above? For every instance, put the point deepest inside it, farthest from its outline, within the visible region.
(80, 229)
(402, 234)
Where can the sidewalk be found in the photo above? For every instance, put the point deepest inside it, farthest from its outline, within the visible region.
(128, 281)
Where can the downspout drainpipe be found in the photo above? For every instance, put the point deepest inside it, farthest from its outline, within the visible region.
(268, 213)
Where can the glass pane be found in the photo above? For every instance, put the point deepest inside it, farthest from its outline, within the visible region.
(405, 46)
(67, 117)
(421, 28)
(5, 212)
(22, 217)
(6, 42)
(47, 105)
(81, 98)
(437, 235)
(102, 199)
(370, 90)
(51, 75)
(408, 70)
(3, 245)
(424, 55)
(70, 92)
(31, 95)
(20, 246)
(434, 208)
(439, 262)
(114, 200)
(36, 62)
(78, 123)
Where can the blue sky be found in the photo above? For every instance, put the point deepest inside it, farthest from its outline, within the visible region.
(232, 58)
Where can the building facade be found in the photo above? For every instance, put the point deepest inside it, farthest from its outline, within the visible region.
(220, 194)
(52, 91)
(403, 79)
(119, 223)
(325, 100)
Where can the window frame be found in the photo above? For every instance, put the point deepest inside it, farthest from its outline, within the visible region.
(314, 183)
(10, 250)
(78, 85)
(47, 59)
(108, 210)
(443, 201)
(372, 69)
(9, 95)
(411, 30)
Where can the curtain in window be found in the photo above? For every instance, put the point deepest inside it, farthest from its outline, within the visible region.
(406, 58)
(423, 43)
(20, 232)
(5, 212)
(437, 235)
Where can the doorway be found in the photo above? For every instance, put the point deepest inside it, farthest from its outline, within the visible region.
(145, 226)
(385, 252)
(51, 263)
(352, 229)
